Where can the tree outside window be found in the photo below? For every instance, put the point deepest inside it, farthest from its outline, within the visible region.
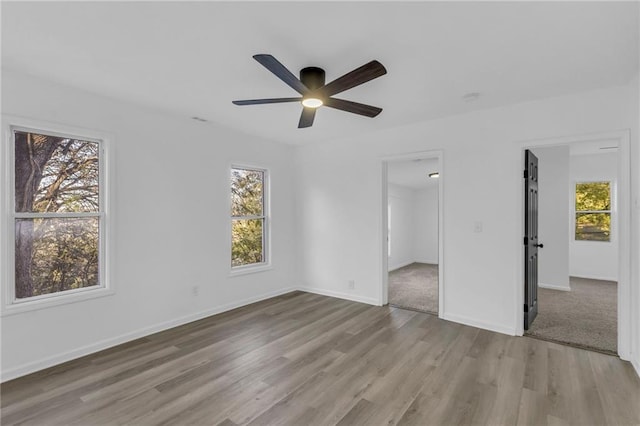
(248, 218)
(57, 215)
(593, 211)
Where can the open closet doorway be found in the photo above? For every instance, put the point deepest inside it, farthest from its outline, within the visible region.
(413, 233)
(581, 232)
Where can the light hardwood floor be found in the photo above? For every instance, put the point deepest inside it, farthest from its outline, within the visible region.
(304, 359)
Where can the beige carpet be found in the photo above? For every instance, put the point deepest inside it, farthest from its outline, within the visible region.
(415, 286)
(586, 316)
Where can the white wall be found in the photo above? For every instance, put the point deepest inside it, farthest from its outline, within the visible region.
(401, 200)
(341, 218)
(414, 226)
(595, 259)
(553, 216)
(170, 231)
(425, 241)
(338, 221)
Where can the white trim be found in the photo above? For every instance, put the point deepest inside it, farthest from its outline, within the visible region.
(636, 366)
(554, 287)
(21, 215)
(498, 328)
(340, 295)
(8, 304)
(56, 299)
(32, 367)
(250, 269)
(623, 193)
(383, 223)
(383, 295)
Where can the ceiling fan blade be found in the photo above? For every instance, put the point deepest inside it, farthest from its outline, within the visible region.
(273, 65)
(373, 69)
(354, 107)
(266, 101)
(306, 118)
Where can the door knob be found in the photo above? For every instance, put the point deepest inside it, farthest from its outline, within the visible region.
(540, 245)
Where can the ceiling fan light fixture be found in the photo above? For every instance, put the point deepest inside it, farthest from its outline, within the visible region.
(312, 102)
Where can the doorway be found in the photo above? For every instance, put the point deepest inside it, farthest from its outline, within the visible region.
(413, 228)
(580, 273)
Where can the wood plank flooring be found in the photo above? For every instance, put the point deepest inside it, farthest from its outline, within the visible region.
(304, 359)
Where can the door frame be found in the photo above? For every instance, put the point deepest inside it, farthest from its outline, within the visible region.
(384, 288)
(622, 137)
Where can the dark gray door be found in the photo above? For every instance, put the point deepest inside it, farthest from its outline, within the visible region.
(531, 244)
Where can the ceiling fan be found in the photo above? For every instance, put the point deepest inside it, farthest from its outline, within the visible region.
(315, 93)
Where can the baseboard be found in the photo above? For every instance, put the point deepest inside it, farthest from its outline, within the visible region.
(554, 287)
(32, 367)
(427, 261)
(595, 278)
(498, 328)
(340, 295)
(401, 265)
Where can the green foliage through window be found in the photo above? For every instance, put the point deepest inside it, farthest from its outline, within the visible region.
(247, 217)
(593, 211)
(64, 252)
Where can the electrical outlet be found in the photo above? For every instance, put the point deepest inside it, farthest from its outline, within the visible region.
(477, 227)
(352, 284)
(195, 290)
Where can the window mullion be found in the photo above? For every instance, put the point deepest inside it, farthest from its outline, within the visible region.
(23, 215)
(592, 211)
(247, 217)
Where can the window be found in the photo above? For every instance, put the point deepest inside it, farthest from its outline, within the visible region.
(248, 217)
(58, 215)
(593, 211)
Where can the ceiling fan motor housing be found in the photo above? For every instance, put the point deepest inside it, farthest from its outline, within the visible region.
(312, 77)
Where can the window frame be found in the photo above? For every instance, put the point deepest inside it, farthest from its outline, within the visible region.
(266, 222)
(10, 304)
(610, 212)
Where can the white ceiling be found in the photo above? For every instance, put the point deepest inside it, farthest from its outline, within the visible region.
(413, 174)
(194, 58)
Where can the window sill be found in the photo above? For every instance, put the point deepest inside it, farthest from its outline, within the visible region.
(48, 302)
(244, 270)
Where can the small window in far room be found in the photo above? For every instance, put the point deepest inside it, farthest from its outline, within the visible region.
(248, 217)
(593, 211)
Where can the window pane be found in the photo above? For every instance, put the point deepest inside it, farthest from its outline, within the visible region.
(55, 174)
(593, 196)
(54, 255)
(593, 226)
(246, 192)
(247, 242)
